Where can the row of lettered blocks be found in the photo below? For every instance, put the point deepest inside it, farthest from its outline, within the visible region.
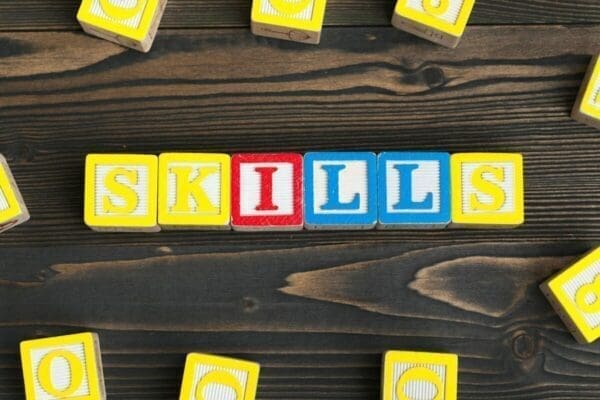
(291, 191)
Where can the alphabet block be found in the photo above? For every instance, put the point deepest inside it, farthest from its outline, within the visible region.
(340, 190)
(208, 377)
(575, 295)
(300, 21)
(414, 190)
(194, 190)
(440, 21)
(587, 106)
(487, 190)
(121, 192)
(418, 375)
(63, 367)
(266, 192)
(131, 23)
(13, 210)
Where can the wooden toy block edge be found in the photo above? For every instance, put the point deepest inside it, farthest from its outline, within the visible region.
(562, 313)
(285, 33)
(577, 114)
(425, 32)
(24, 216)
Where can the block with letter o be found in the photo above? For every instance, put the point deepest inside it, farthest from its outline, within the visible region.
(208, 377)
(63, 367)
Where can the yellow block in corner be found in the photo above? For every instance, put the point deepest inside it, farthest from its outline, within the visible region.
(194, 190)
(208, 377)
(419, 375)
(575, 295)
(487, 190)
(587, 106)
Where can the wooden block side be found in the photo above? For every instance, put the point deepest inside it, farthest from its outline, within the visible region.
(578, 114)
(285, 33)
(20, 213)
(425, 31)
(562, 313)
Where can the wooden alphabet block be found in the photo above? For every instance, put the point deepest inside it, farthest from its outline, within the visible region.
(300, 21)
(414, 190)
(587, 106)
(266, 192)
(340, 190)
(440, 21)
(194, 191)
(575, 295)
(13, 210)
(63, 367)
(121, 192)
(487, 190)
(208, 377)
(419, 375)
(131, 23)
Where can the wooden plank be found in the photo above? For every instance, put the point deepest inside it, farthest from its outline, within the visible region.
(60, 14)
(63, 95)
(317, 318)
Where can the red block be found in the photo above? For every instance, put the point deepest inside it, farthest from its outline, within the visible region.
(266, 192)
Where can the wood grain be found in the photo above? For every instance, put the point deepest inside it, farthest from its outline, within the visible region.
(60, 14)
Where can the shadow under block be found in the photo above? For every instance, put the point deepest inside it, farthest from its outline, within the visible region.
(413, 190)
(194, 191)
(131, 23)
(440, 21)
(487, 190)
(121, 192)
(266, 192)
(208, 377)
(300, 20)
(575, 295)
(587, 105)
(13, 210)
(419, 375)
(63, 367)
(340, 190)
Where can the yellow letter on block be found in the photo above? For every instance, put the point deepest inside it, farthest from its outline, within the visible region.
(121, 192)
(194, 190)
(575, 295)
(131, 23)
(297, 20)
(209, 377)
(487, 190)
(411, 375)
(587, 106)
(12, 207)
(63, 367)
(440, 21)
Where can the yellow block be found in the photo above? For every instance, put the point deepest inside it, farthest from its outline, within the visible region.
(208, 377)
(131, 24)
(121, 192)
(194, 190)
(12, 207)
(487, 190)
(297, 20)
(63, 367)
(440, 21)
(575, 295)
(587, 106)
(411, 375)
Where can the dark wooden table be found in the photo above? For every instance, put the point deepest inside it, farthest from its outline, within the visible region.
(316, 309)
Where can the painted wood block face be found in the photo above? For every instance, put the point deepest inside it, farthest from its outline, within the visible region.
(587, 106)
(121, 192)
(487, 190)
(418, 375)
(440, 21)
(340, 190)
(194, 191)
(13, 210)
(266, 192)
(297, 20)
(63, 367)
(131, 23)
(575, 295)
(208, 377)
(413, 190)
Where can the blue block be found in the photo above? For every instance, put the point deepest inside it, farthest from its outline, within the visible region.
(414, 190)
(340, 190)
